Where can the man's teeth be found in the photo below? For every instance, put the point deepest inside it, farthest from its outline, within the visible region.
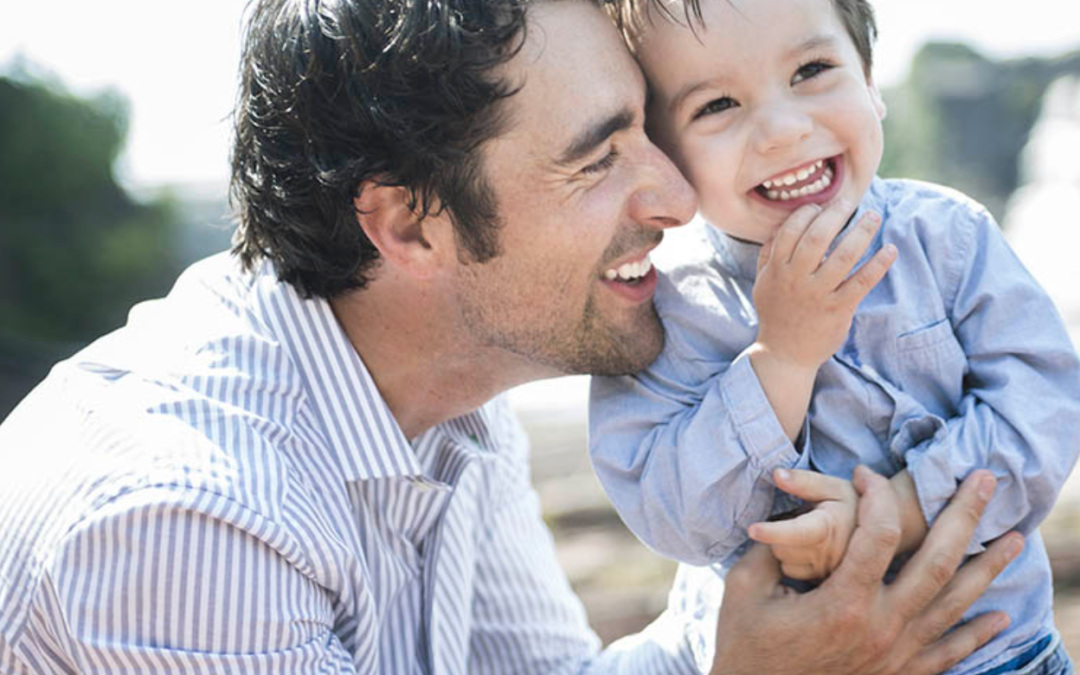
(813, 188)
(795, 176)
(630, 271)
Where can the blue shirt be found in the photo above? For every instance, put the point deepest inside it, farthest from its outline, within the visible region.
(955, 361)
(219, 488)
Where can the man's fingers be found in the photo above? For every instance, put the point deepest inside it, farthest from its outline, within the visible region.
(954, 647)
(964, 588)
(934, 564)
(811, 486)
(874, 541)
(756, 574)
(805, 530)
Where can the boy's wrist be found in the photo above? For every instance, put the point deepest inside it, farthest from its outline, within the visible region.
(763, 357)
(913, 527)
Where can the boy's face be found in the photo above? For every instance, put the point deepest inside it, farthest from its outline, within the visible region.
(770, 92)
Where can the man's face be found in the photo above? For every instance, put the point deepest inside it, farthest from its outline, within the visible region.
(769, 110)
(583, 197)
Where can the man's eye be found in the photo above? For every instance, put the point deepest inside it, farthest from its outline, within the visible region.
(606, 162)
(810, 70)
(717, 105)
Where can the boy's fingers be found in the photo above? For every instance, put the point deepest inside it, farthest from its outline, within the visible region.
(764, 254)
(849, 250)
(819, 236)
(856, 287)
(787, 237)
(805, 530)
(810, 486)
(800, 571)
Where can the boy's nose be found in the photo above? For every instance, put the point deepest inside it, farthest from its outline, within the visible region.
(780, 126)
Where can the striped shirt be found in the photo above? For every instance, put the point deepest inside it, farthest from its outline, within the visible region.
(218, 487)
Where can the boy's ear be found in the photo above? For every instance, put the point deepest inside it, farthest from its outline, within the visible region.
(401, 235)
(877, 100)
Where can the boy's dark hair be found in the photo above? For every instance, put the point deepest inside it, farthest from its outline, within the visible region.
(856, 15)
(334, 93)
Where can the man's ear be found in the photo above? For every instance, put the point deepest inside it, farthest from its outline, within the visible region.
(402, 237)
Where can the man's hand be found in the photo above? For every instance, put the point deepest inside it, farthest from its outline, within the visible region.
(853, 623)
(811, 545)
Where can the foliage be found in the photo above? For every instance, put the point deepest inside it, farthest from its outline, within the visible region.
(961, 119)
(75, 250)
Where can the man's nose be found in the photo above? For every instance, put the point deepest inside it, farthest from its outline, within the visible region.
(666, 200)
(780, 125)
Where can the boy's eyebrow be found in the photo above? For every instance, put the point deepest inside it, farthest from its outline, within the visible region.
(691, 89)
(594, 135)
(808, 45)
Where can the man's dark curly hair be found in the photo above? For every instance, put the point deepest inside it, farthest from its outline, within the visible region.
(857, 16)
(335, 93)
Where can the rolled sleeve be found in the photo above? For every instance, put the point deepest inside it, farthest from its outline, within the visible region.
(688, 466)
(1020, 413)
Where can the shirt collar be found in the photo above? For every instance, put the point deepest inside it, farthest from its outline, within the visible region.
(360, 431)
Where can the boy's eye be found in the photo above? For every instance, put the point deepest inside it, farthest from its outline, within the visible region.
(717, 105)
(809, 70)
(605, 162)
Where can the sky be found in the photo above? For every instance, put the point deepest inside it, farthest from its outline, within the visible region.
(176, 63)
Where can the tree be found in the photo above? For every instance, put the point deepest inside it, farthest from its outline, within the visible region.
(76, 251)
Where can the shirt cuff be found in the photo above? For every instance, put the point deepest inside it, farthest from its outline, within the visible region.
(935, 485)
(762, 436)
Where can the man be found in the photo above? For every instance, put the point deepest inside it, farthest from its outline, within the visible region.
(300, 467)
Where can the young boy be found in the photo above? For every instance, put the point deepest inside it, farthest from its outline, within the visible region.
(780, 360)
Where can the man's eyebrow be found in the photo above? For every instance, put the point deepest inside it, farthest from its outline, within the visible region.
(593, 136)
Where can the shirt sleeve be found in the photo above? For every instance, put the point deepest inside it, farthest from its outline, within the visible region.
(685, 449)
(154, 584)
(527, 619)
(1020, 412)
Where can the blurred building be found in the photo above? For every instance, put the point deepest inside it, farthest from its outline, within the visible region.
(1042, 220)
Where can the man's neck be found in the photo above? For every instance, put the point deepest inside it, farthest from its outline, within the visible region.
(427, 369)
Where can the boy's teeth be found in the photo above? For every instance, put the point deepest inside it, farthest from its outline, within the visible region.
(787, 195)
(629, 271)
(790, 179)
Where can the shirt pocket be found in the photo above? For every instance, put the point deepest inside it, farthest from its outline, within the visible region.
(929, 364)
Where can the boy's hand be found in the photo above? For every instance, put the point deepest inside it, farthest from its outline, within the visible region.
(805, 301)
(811, 546)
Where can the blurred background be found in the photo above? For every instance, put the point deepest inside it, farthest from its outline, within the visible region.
(114, 139)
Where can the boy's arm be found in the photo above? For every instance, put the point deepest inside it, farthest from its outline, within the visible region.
(685, 449)
(1020, 412)
(805, 302)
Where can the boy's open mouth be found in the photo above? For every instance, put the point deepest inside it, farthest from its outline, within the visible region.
(808, 180)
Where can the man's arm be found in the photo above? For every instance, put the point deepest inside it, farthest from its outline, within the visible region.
(764, 627)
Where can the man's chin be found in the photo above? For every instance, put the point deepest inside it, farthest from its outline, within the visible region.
(628, 352)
